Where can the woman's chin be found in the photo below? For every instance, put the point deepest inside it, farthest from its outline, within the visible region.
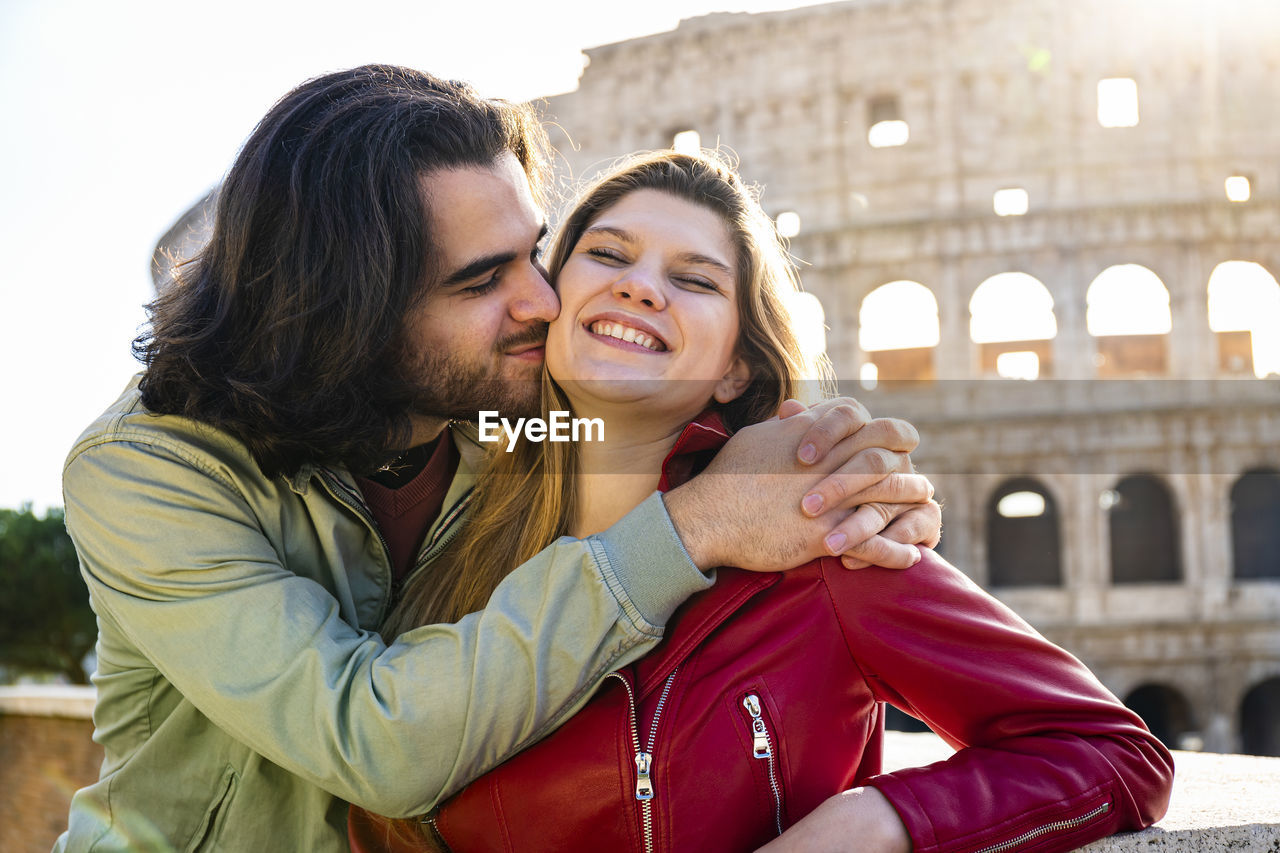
(661, 400)
(612, 391)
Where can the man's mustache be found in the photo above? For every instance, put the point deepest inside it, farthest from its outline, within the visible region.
(535, 334)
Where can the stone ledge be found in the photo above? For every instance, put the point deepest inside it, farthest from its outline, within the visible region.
(1219, 802)
(48, 700)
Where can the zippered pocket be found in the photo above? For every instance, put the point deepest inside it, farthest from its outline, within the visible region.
(1064, 825)
(211, 826)
(764, 745)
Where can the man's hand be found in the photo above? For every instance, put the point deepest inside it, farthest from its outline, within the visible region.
(860, 819)
(890, 509)
(815, 481)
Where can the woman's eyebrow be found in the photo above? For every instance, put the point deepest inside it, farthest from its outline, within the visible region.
(705, 260)
(622, 234)
(686, 257)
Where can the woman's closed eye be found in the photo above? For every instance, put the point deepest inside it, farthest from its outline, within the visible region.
(606, 254)
(613, 257)
(698, 281)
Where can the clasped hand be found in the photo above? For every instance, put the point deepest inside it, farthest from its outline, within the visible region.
(826, 480)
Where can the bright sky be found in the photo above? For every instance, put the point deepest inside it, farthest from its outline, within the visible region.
(118, 116)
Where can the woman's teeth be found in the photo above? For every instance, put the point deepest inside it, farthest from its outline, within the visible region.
(628, 334)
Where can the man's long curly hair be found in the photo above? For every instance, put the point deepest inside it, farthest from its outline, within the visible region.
(287, 330)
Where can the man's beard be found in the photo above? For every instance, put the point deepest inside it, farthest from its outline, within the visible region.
(447, 386)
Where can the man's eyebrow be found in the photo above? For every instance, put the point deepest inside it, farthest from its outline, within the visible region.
(477, 267)
(483, 264)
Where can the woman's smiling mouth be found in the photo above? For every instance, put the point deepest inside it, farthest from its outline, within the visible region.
(625, 334)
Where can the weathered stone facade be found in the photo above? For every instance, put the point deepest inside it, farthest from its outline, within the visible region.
(1001, 94)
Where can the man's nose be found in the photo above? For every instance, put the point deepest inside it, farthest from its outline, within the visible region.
(534, 299)
(641, 285)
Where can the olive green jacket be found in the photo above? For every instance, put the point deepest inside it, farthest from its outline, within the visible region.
(243, 696)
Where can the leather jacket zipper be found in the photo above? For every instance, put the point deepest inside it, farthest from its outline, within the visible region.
(762, 748)
(1056, 826)
(644, 757)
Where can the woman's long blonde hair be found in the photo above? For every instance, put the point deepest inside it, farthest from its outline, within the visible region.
(526, 499)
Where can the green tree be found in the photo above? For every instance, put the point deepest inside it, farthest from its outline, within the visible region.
(45, 621)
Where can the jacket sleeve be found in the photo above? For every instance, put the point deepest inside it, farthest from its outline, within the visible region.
(177, 562)
(1048, 759)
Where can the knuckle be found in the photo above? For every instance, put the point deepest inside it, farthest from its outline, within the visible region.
(874, 551)
(836, 490)
(919, 489)
(879, 462)
(855, 412)
(903, 488)
(884, 512)
(908, 436)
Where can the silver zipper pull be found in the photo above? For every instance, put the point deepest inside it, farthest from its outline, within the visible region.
(644, 788)
(760, 746)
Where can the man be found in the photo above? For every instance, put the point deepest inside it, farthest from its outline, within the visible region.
(373, 275)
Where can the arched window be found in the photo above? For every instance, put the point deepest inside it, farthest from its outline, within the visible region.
(1022, 536)
(1144, 532)
(898, 329)
(1244, 314)
(1011, 320)
(1260, 719)
(1165, 711)
(1128, 312)
(1255, 525)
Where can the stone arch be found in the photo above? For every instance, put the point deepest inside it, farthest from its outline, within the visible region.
(1023, 535)
(1255, 525)
(1144, 531)
(1164, 709)
(900, 721)
(1260, 719)
(1244, 315)
(1128, 315)
(1011, 320)
(898, 329)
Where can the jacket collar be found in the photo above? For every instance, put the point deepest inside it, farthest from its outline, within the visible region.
(465, 439)
(707, 432)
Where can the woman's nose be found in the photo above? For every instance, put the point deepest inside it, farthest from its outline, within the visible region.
(643, 286)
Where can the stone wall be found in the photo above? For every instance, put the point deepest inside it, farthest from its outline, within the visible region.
(46, 754)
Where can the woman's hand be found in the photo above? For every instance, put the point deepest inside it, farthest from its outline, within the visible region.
(859, 819)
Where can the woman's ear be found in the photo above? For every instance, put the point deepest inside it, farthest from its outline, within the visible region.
(734, 382)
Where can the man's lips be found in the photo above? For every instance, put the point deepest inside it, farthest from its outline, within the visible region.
(528, 352)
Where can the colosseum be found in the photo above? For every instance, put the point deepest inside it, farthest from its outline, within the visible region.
(1046, 233)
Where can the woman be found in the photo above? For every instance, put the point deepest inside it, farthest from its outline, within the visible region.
(761, 713)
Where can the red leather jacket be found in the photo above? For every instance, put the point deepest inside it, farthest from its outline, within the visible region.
(766, 697)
